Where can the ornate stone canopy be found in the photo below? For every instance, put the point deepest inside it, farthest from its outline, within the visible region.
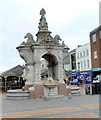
(44, 35)
(45, 46)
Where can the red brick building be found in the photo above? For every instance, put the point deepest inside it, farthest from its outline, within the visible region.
(95, 42)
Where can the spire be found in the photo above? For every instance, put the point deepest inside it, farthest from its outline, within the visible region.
(43, 24)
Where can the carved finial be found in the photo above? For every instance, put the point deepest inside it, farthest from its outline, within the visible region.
(43, 24)
(42, 12)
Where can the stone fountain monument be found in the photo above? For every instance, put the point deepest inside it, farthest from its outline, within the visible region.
(49, 48)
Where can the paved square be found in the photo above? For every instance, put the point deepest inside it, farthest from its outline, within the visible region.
(83, 106)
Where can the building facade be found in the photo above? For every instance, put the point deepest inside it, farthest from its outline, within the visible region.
(83, 63)
(83, 57)
(66, 62)
(73, 60)
(95, 43)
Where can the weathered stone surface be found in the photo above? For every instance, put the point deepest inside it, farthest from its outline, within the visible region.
(46, 47)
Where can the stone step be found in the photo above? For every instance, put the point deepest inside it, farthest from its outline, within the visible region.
(17, 98)
(17, 91)
(54, 97)
(17, 94)
(76, 91)
(75, 88)
(74, 94)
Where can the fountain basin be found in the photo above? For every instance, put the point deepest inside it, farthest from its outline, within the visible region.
(50, 85)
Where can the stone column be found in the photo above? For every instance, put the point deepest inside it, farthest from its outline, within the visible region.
(29, 76)
(60, 72)
(37, 72)
(26, 54)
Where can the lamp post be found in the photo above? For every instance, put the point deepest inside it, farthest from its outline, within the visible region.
(19, 81)
(78, 69)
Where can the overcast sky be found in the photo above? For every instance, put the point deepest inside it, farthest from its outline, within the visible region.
(71, 19)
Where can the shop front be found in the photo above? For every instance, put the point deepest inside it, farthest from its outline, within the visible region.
(74, 75)
(96, 80)
(12, 82)
(86, 80)
(86, 77)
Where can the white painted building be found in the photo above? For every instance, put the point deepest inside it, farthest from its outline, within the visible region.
(43, 64)
(66, 62)
(83, 57)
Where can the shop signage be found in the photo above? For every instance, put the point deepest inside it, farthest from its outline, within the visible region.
(95, 54)
(96, 69)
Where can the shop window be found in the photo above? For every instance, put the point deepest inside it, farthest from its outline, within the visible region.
(94, 38)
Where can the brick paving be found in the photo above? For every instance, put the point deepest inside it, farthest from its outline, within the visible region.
(83, 106)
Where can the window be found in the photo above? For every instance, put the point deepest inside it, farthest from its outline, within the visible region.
(95, 54)
(83, 53)
(81, 65)
(100, 34)
(80, 54)
(84, 64)
(87, 52)
(73, 61)
(78, 65)
(94, 38)
(88, 63)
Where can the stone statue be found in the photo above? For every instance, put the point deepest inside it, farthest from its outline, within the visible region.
(57, 39)
(29, 37)
(63, 43)
(43, 24)
(47, 40)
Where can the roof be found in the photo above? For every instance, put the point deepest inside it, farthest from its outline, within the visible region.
(15, 71)
(95, 30)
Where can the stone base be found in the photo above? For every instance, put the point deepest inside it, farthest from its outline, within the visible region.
(55, 96)
(26, 87)
(68, 91)
(37, 93)
(32, 94)
(63, 90)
